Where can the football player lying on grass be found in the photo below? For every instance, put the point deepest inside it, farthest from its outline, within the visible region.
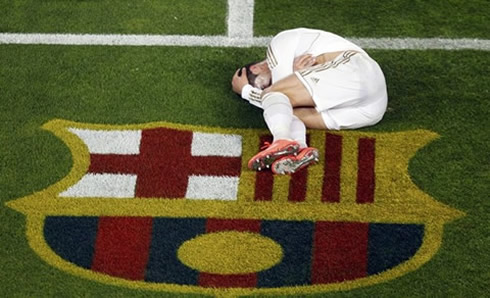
(315, 79)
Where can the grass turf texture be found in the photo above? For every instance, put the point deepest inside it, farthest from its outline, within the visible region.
(203, 17)
(399, 18)
(446, 92)
(450, 19)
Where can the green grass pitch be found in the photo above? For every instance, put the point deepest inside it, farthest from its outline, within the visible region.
(447, 92)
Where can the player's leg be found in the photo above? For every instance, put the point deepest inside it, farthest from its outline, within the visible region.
(295, 90)
(305, 157)
(341, 118)
(278, 115)
(298, 132)
(350, 117)
(278, 102)
(310, 117)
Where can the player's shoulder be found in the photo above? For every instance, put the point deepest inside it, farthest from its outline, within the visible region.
(299, 30)
(291, 34)
(284, 37)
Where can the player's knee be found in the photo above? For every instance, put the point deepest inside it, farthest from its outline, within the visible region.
(296, 92)
(273, 98)
(310, 117)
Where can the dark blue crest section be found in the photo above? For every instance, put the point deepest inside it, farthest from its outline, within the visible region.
(72, 238)
(295, 238)
(168, 235)
(392, 244)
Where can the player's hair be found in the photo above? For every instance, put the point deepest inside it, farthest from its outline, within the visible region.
(250, 76)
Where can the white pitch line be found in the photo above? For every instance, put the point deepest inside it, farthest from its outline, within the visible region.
(423, 43)
(122, 40)
(240, 20)
(225, 41)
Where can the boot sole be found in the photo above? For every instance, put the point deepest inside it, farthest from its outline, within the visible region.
(287, 166)
(266, 161)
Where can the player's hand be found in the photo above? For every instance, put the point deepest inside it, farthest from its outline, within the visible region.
(303, 61)
(239, 80)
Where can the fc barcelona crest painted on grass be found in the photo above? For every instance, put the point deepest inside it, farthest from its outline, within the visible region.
(173, 207)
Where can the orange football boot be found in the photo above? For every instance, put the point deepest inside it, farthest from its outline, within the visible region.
(293, 163)
(276, 150)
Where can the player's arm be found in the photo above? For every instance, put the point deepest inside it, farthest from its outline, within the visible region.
(241, 86)
(280, 55)
(303, 61)
(327, 57)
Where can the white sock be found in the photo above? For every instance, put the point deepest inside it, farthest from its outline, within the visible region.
(298, 132)
(278, 114)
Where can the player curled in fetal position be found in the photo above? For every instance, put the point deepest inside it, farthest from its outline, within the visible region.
(310, 79)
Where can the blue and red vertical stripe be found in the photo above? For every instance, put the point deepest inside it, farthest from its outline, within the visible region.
(145, 249)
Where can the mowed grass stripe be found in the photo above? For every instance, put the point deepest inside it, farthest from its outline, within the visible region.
(359, 18)
(203, 17)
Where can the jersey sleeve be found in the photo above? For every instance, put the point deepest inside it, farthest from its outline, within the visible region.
(252, 95)
(280, 54)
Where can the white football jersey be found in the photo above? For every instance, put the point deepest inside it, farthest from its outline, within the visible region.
(289, 44)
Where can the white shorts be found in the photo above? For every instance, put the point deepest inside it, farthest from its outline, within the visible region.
(349, 91)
